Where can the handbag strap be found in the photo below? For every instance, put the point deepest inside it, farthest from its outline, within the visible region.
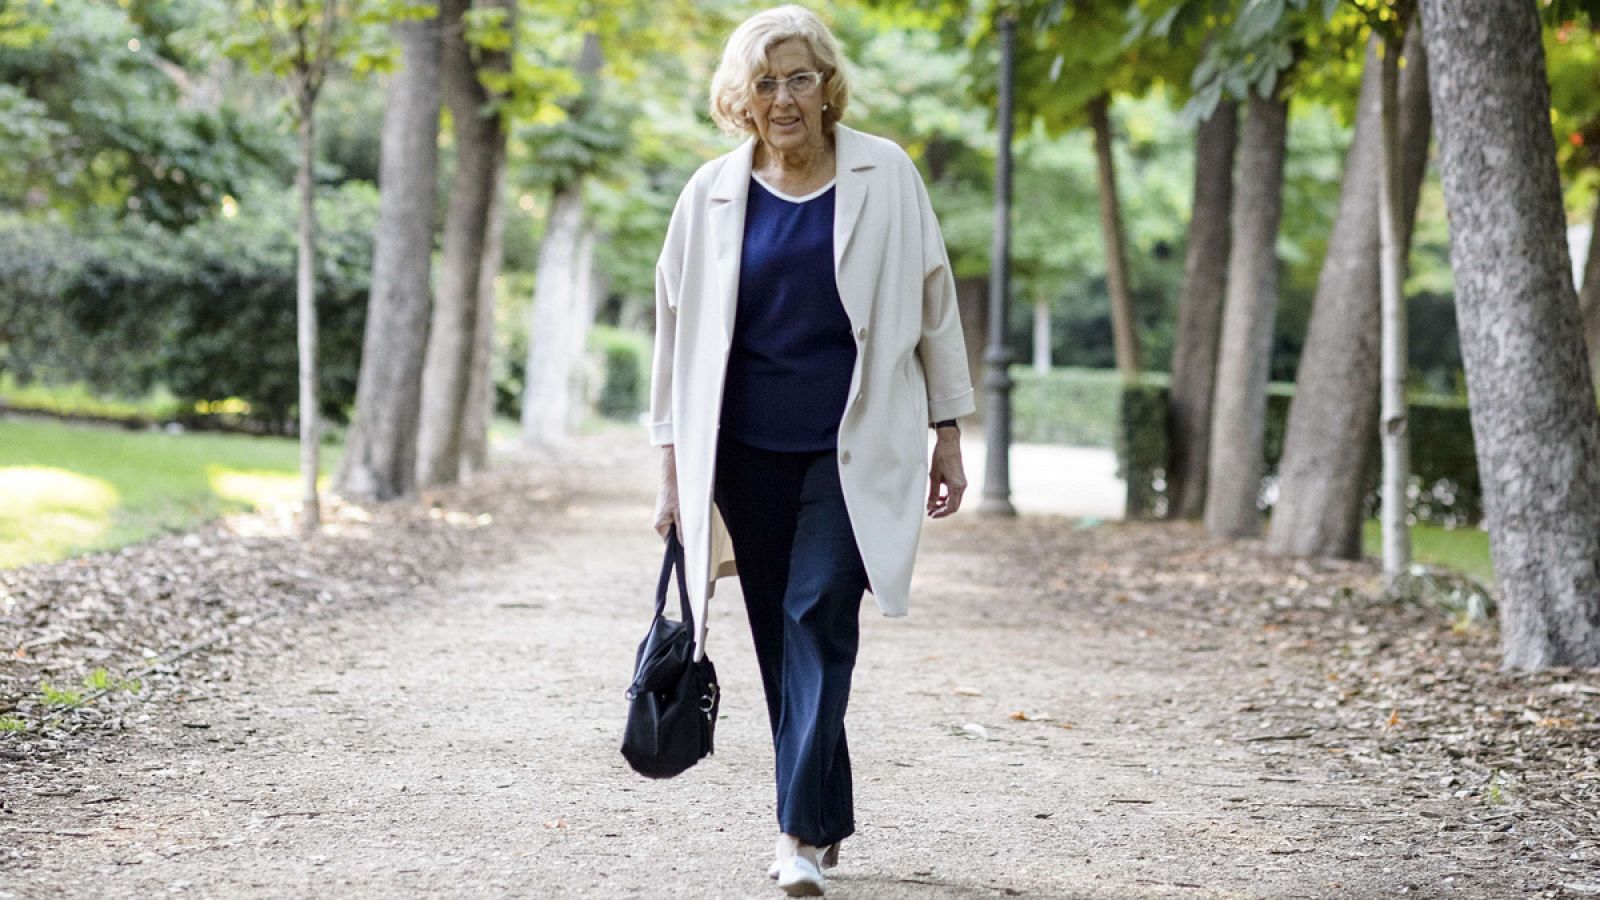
(673, 560)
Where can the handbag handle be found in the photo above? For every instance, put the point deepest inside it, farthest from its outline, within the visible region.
(673, 560)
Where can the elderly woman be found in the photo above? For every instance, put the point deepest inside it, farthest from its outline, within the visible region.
(807, 336)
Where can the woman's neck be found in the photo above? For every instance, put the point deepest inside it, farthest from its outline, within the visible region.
(801, 163)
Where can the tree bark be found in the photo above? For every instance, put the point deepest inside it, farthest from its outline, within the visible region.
(1536, 428)
(547, 394)
(1589, 294)
(581, 379)
(1205, 280)
(1324, 474)
(1391, 279)
(1124, 327)
(380, 452)
(306, 319)
(480, 382)
(1041, 336)
(480, 150)
(547, 408)
(1238, 423)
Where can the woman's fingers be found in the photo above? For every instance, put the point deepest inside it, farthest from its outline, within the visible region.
(953, 502)
(947, 504)
(668, 520)
(944, 493)
(946, 483)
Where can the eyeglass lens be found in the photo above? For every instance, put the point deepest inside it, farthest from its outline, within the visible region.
(798, 85)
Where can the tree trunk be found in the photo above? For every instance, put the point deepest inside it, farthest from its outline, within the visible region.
(1041, 336)
(1238, 423)
(1124, 327)
(547, 395)
(581, 378)
(547, 407)
(380, 452)
(1589, 295)
(480, 146)
(1536, 428)
(306, 320)
(1392, 263)
(480, 382)
(1323, 477)
(1205, 279)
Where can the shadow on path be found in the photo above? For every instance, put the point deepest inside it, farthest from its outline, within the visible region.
(1031, 730)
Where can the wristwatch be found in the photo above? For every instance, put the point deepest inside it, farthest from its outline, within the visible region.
(945, 423)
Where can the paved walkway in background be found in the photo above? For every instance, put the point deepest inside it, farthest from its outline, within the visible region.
(1079, 482)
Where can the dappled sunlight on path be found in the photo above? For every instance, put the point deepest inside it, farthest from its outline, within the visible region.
(1049, 721)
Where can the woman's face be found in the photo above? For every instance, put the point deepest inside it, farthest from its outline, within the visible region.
(784, 121)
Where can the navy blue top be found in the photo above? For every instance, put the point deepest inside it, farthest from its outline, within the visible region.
(792, 355)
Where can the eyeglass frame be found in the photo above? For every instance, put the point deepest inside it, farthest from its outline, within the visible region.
(755, 86)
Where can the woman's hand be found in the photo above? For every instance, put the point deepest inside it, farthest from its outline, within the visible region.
(667, 496)
(946, 472)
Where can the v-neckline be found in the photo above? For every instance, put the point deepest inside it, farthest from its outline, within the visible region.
(790, 197)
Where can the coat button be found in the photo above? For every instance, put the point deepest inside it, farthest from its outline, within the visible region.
(861, 333)
(844, 457)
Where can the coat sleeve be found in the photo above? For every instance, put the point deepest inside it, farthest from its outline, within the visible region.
(942, 348)
(669, 277)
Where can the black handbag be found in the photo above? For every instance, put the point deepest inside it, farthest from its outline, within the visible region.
(673, 701)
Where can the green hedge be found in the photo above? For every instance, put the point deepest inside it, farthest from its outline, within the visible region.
(1444, 485)
(1065, 406)
(207, 313)
(625, 367)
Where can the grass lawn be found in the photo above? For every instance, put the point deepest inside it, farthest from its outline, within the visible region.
(1463, 549)
(69, 488)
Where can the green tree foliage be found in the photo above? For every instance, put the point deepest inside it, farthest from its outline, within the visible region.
(97, 116)
(1252, 46)
(1572, 49)
(922, 90)
(634, 135)
(304, 41)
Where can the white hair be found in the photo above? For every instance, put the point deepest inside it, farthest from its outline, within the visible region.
(744, 59)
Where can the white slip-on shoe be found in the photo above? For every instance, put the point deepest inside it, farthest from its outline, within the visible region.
(829, 858)
(830, 855)
(800, 877)
(786, 847)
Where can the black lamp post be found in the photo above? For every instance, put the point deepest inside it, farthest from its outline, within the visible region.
(997, 375)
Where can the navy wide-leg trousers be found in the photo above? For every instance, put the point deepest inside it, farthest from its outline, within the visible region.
(803, 579)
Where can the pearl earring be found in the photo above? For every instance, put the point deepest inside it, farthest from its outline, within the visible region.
(824, 106)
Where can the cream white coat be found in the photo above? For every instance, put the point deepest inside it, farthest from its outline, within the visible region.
(897, 288)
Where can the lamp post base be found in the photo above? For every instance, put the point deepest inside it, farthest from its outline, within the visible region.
(996, 506)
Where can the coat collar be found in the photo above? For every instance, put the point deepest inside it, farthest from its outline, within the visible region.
(730, 193)
(852, 157)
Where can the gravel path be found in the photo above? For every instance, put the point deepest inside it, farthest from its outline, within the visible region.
(1022, 733)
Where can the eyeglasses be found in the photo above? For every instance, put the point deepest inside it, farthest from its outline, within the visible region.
(799, 84)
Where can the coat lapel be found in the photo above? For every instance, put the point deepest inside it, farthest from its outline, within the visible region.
(852, 163)
(730, 193)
